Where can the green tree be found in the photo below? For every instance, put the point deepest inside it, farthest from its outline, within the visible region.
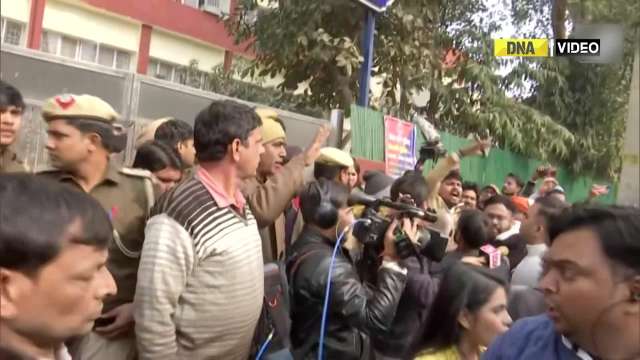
(590, 100)
(229, 83)
(315, 46)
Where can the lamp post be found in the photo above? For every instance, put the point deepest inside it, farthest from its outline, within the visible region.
(373, 7)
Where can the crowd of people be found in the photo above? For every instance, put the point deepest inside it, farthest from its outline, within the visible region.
(223, 242)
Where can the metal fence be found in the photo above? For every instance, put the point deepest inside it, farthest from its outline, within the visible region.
(137, 98)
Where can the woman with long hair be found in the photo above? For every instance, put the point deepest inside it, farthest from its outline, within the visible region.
(469, 312)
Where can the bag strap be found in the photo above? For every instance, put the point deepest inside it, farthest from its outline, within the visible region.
(296, 264)
(291, 275)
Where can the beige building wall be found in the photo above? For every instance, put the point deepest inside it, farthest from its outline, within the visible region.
(76, 20)
(15, 9)
(180, 50)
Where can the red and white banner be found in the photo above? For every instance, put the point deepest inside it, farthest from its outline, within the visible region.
(399, 146)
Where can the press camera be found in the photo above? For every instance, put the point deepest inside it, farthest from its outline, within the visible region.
(378, 215)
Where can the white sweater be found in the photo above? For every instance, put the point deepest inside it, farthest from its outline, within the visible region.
(200, 281)
(527, 273)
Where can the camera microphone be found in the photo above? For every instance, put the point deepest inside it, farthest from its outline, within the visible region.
(359, 198)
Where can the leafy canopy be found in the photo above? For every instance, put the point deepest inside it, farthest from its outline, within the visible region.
(552, 109)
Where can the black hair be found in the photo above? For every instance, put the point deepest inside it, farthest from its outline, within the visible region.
(35, 217)
(327, 171)
(155, 156)
(412, 184)
(174, 131)
(617, 227)
(219, 124)
(411, 172)
(554, 191)
(453, 174)
(113, 140)
(517, 179)
(462, 287)
(10, 96)
(549, 208)
(501, 199)
(474, 228)
(334, 192)
(467, 185)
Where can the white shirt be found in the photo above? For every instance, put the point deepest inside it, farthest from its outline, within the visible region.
(515, 229)
(527, 273)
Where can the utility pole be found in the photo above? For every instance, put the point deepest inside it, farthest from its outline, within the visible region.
(373, 7)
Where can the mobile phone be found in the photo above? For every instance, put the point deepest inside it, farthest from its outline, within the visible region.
(103, 321)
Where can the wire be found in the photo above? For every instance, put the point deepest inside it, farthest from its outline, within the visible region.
(327, 291)
(264, 346)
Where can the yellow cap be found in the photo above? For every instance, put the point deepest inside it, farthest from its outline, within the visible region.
(335, 156)
(148, 132)
(271, 129)
(70, 106)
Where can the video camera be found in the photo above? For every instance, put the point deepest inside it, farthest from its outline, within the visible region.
(433, 147)
(431, 150)
(371, 229)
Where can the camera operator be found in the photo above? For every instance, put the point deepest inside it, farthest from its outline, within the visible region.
(402, 340)
(354, 310)
(445, 187)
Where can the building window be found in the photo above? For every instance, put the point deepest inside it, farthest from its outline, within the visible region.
(192, 3)
(69, 47)
(123, 60)
(218, 7)
(12, 32)
(177, 74)
(88, 51)
(180, 75)
(106, 56)
(50, 42)
(85, 50)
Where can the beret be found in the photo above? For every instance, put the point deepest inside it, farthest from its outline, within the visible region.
(70, 106)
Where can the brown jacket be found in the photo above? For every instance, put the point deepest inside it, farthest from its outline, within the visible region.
(127, 195)
(447, 218)
(9, 162)
(268, 199)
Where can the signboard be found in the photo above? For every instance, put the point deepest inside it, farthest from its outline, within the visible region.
(399, 146)
(377, 5)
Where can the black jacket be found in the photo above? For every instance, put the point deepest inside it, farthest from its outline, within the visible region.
(438, 269)
(354, 310)
(405, 334)
(517, 246)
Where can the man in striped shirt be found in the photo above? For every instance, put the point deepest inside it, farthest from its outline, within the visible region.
(200, 281)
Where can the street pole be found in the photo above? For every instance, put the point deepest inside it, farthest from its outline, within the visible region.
(367, 53)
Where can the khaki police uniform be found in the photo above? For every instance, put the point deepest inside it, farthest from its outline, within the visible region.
(127, 195)
(269, 197)
(10, 163)
(330, 156)
(148, 132)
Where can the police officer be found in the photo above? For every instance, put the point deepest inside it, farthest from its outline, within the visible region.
(82, 134)
(11, 108)
(332, 164)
